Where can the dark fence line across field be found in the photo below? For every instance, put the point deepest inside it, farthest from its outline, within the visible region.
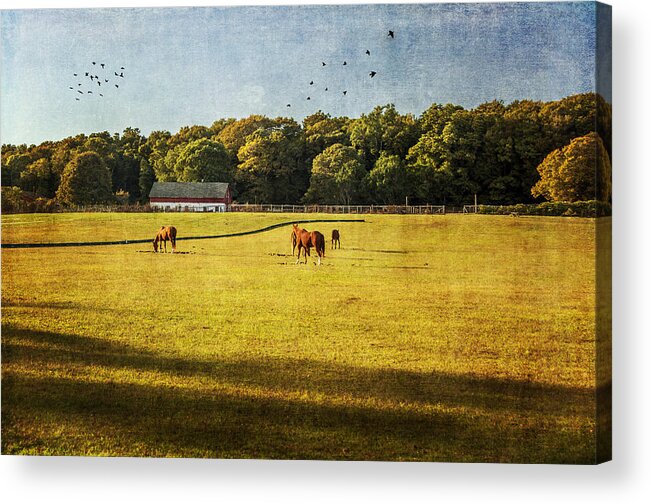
(148, 240)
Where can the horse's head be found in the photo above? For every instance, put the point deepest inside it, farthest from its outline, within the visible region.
(155, 242)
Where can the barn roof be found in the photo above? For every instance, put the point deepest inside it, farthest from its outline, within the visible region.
(188, 190)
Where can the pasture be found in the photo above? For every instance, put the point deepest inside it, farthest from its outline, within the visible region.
(429, 338)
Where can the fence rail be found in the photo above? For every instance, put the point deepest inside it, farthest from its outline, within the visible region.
(340, 209)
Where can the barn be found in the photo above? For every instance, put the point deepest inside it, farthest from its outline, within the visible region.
(191, 196)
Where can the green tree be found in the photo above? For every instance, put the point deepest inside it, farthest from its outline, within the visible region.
(189, 134)
(217, 127)
(426, 164)
(580, 171)
(63, 152)
(12, 200)
(272, 164)
(39, 179)
(435, 118)
(203, 160)
(106, 146)
(145, 180)
(12, 169)
(156, 148)
(384, 129)
(129, 146)
(337, 177)
(233, 136)
(389, 180)
(85, 180)
(321, 131)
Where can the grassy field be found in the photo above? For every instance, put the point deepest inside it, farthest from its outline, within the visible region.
(432, 338)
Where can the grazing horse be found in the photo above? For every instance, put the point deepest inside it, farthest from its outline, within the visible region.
(335, 238)
(165, 233)
(306, 240)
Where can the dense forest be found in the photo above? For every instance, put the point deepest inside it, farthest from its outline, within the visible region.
(523, 152)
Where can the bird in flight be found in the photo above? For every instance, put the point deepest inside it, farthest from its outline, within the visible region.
(79, 84)
(101, 95)
(93, 62)
(325, 89)
(311, 82)
(368, 52)
(102, 65)
(323, 63)
(122, 74)
(75, 75)
(391, 34)
(86, 74)
(77, 99)
(80, 92)
(105, 80)
(373, 74)
(117, 86)
(99, 83)
(345, 93)
(70, 87)
(121, 68)
(345, 63)
(289, 104)
(90, 92)
(308, 97)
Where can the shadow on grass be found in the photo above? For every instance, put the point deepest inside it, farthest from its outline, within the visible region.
(471, 418)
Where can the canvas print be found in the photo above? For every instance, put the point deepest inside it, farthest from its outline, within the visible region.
(326, 232)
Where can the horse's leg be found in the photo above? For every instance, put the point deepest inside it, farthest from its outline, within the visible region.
(298, 258)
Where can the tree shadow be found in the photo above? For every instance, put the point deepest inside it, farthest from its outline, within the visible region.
(296, 408)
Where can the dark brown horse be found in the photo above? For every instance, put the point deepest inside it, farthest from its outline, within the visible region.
(293, 238)
(306, 240)
(335, 238)
(165, 233)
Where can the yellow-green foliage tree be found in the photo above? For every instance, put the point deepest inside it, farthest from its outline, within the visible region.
(580, 171)
(85, 180)
(203, 160)
(337, 176)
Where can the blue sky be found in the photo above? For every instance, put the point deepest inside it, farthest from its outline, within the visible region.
(187, 66)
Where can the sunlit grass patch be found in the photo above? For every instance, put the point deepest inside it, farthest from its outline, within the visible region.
(468, 338)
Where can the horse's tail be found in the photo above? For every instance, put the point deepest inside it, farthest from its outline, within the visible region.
(320, 244)
(173, 237)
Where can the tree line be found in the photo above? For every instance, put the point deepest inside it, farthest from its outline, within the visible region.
(523, 152)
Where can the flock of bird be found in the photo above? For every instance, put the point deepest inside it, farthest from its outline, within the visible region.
(106, 81)
(97, 85)
(344, 92)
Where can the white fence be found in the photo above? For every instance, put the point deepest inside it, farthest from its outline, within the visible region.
(340, 209)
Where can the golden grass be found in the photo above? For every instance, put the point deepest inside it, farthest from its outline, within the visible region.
(437, 338)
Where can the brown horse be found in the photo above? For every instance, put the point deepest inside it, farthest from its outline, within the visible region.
(335, 238)
(165, 233)
(306, 240)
